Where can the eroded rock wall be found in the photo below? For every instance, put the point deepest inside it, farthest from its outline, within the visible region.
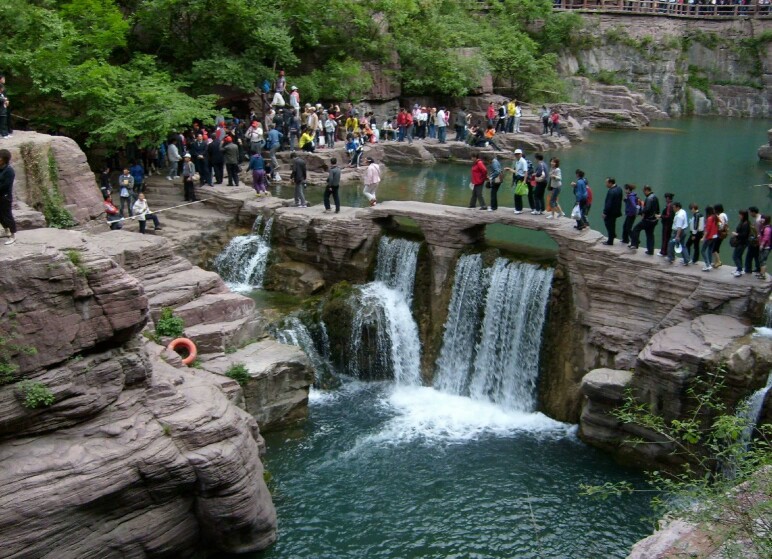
(132, 457)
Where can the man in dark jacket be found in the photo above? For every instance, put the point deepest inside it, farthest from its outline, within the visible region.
(648, 221)
(612, 209)
(216, 160)
(333, 183)
(198, 149)
(7, 176)
(298, 177)
(668, 214)
(231, 155)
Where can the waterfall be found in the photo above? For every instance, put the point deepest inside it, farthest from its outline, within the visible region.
(294, 332)
(397, 259)
(492, 337)
(242, 263)
(768, 314)
(384, 336)
(752, 408)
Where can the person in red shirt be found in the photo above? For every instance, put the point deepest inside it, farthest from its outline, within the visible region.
(479, 175)
(113, 214)
(491, 114)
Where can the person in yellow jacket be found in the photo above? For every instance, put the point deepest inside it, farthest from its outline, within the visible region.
(511, 116)
(306, 142)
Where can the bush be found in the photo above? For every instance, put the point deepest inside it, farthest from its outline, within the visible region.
(169, 325)
(35, 394)
(239, 373)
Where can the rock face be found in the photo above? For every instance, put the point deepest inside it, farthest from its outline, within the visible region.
(765, 151)
(47, 164)
(660, 62)
(664, 371)
(594, 280)
(133, 457)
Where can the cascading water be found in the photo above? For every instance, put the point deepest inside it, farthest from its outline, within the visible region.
(242, 263)
(768, 315)
(293, 332)
(751, 411)
(384, 336)
(493, 355)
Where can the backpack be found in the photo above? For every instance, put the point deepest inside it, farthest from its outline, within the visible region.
(753, 237)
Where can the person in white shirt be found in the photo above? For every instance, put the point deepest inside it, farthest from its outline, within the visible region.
(518, 116)
(142, 214)
(372, 180)
(678, 238)
(442, 125)
(696, 230)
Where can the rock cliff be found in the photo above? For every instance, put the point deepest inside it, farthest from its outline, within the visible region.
(127, 455)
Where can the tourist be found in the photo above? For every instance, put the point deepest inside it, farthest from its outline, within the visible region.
(612, 209)
(631, 212)
(7, 178)
(696, 232)
(580, 191)
(281, 84)
(4, 104)
(330, 125)
(442, 124)
(680, 224)
(137, 172)
(355, 151)
(173, 155)
(306, 142)
(649, 217)
(479, 175)
(333, 185)
(765, 243)
(372, 180)
(460, 124)
(541, 176)
(200, 152)
(739, 241)
(501, 122)
(518, 116)
(188, 172)
(666, 217)
(142, 213)
(510, 128)
(273, 143)
(589, 203)
(491, 114)
(723, 232)
(545, 120)
(520, 174)
(257, 166)
(752, 257)
(295, 99)
(711, 236)
(555, 184)
(112, 214)
(104, 181)
(555, 122)
(298, 177)
(230, 153)
(432, 122)
(254, 137)
(423, 122)
(126, 185)
(216, 161)
(495, 180)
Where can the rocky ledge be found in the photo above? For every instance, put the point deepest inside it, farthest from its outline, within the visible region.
(106, 448)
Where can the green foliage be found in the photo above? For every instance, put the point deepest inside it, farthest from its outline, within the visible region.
(77, 260)
(239, 373)
(607, 77)
(35, 394)
(169, 325)
(719, 463)
(43, 185)
(698, 80)
(565, 30)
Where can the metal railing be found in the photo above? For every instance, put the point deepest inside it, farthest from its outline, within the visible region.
(672, 8)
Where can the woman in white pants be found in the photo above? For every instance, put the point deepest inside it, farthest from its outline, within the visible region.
(372, 180)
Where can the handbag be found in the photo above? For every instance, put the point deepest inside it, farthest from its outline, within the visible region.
(521, 189)
(195, 177)
(471, 185)
(733, 241)
(576, 213)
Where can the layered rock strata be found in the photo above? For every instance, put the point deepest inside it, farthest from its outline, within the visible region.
(131, 457)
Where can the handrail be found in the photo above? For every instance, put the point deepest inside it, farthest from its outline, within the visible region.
(672, 8)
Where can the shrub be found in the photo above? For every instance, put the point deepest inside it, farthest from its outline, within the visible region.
(169, 325)
(239, 373)
(77, 261)
(35, 394)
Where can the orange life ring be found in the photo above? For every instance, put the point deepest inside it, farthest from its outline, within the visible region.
(187, 344)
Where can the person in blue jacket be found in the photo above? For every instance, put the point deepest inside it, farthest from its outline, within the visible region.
(580, 191)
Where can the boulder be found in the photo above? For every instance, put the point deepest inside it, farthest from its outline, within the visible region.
(132, 454)
(297, 278)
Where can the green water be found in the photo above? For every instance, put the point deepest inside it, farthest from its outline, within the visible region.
(705, 160)
(385, 472)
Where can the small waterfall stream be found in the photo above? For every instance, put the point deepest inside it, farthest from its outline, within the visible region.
(752, 409)
(492, 338)
(243, 262)
(384, 335)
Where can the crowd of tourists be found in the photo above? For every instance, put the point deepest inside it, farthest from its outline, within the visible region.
(691, 235)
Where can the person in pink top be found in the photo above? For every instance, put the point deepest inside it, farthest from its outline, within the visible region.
(372, 180)
(479, 176)
(765, 242)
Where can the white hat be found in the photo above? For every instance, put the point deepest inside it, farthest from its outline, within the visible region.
(186, 155)
(518, 150)
(294, 87)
